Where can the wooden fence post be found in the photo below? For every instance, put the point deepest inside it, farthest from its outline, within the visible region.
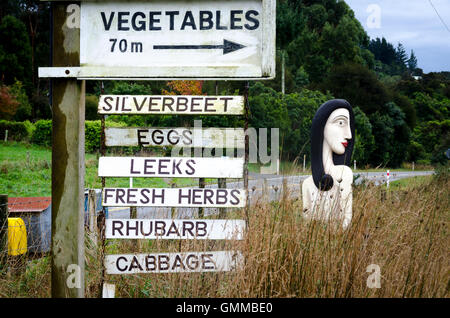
(222, 184)
(92, 208)
(3, 228)
(68, 106)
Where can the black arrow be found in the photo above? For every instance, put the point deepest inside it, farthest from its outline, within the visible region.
(227, 47)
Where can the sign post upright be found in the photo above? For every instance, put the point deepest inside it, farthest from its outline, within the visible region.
(148, 40)
(68, 108)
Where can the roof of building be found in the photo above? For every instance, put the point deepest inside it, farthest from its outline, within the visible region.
(29, 204)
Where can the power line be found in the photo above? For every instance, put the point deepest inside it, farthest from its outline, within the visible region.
(440, 18)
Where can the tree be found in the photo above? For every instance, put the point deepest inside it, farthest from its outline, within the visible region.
(8, 103)
(301, 108)
(431, 140)
(428, 108)
(364, 140)
(301, 78)
(24, 109)
(358, 85)
(184, 88)
(14, 104)
(401, 55)
(15, 53)
(407, 108)
(391, 134)
(383, 51)
(412, 62)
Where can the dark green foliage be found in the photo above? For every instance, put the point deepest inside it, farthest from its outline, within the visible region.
(392, 136)
(24, 110)
(365, 142)
(412, 62)
(301, 110)
(401, 57)
(17, 131)
(267, 109)
(290, 84)
(92, 135)
(15, 52)
(42, 134)
(290, 22)
(41, 105)
(92, 107)
(429, 108)
(431, 140)
(358, 85)
(319, 34)
(291, 113)
(394, 61)
(407, 107)
(383, 51)
(327, 52)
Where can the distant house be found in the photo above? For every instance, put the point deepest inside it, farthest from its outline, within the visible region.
(417, 77)
(36, 212)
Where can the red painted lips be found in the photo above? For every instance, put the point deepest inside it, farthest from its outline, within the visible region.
(345, 144)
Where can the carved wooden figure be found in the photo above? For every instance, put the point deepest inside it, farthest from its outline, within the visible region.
(327, 194)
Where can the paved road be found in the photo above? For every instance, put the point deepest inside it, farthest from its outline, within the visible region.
(257, 183)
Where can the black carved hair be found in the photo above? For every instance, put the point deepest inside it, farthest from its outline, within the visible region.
(324, 181)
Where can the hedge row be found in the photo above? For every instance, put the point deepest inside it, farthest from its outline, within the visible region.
(17, 131)
(40, 133)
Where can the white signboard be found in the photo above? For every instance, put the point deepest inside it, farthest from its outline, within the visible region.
(175, 229)
(179, 38)
(173, 262)
(170, 105)
(173, 197)
(181, 137)
(175, 167)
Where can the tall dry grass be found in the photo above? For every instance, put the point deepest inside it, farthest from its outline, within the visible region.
(405, 232)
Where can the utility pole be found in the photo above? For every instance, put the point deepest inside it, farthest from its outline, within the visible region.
(283, 85)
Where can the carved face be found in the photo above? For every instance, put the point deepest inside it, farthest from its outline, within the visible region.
(337, 130)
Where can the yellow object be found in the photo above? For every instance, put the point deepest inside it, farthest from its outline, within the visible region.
(17, 237)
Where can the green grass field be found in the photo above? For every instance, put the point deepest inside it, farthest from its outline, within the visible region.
(25, 171)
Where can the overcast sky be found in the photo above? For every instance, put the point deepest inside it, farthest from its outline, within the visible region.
(414, 23)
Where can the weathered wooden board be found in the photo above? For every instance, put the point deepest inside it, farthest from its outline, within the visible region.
(180, 167)
(179, 38)
(181, 137)
(171, 105)
(175, 229)
(174, 197)
(173, 262)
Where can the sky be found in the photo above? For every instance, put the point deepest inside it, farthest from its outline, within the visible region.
(414, 23)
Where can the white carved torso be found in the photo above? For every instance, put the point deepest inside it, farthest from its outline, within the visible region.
(332, 205)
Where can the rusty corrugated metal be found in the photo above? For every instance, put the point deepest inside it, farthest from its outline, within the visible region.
(28, 204)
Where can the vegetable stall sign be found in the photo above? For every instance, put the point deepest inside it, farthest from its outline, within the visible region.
(151, 40)
(190, 262)
(203, 39)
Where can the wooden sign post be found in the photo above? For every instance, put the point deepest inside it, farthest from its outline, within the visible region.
(151, 40)
(169, 167)
(68, 98)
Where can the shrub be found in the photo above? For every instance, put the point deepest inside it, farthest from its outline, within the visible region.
(93, 130)
(92, 135)
(91, 107)
(24, 109)
(17, 131)
(42, 134)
